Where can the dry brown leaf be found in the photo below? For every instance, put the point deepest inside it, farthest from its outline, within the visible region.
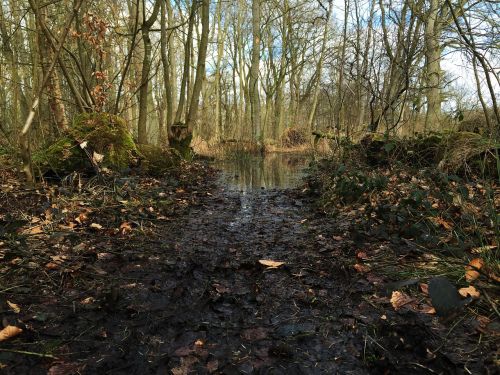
(125, 227)
(471, 272)
(374, 279)
(87, 301)
(469, 291)
(81, 218)
(9, 332)
(183, 351)
(427, 309)
(399, 299)
(52, 266)
(64, 369)
(254, 334)
(270, 263)
(33, 230)
(482, 249)
(14, 307)
(59, 258)
(424, 288)
(441, 222)
(361, 268)
(16, 261)
(221, 288)
(482, 324)
(212, 366)
(362, 255)
(492, 276)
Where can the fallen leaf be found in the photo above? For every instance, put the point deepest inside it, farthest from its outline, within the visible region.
(492, 276)
(65, 369)
(59, 258)
(125, 227)
(469, 291)
(105, 256)
(9, 332)
(183, 351)
(471, 272)
(221, 288)
(270, 263)
(212, 366)
(14, 307)
(185, 367)
(374, 279)
(362, 255)
(254, 334)
(482, 249)
(399, 299)
(33, 230)
(82, 217)
(361, 268)
(97, 158)
(87, 301)
(424, 288)
(427, 309)
(486, 326)
(16, 261)
(52, 266)
(96, 226)
(337, 238)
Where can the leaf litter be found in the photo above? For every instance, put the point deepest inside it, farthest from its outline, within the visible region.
(149, 292)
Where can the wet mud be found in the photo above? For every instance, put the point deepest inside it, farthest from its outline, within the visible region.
(194, 299)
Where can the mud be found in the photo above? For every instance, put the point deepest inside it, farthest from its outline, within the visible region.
(194, 299)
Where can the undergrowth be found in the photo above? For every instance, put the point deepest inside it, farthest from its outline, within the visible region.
(415, 198)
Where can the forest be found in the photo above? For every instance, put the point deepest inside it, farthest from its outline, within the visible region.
(249, 186)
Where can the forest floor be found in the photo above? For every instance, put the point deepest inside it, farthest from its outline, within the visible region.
(185, 275)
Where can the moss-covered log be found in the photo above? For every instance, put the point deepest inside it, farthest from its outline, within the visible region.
(93, 140)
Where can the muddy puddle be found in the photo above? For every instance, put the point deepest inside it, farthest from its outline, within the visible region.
(270, 171)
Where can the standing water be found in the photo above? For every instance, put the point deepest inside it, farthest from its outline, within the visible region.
(270, 171)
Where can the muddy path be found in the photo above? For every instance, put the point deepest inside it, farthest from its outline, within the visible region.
(206, 304)
(192, 298)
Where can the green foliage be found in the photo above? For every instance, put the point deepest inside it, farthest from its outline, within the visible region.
(351, 185)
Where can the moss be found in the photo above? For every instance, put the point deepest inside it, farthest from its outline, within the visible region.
(103, 133)
(156, 161)
(62, 157)
(107, 135)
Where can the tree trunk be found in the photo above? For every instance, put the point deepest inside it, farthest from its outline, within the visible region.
(254, 72)
(53, 86)
(319, 69)
(433, 66)
(168, 100)
(200, 66)
(142, 126)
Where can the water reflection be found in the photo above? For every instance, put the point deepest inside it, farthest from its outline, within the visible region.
(273, 170)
